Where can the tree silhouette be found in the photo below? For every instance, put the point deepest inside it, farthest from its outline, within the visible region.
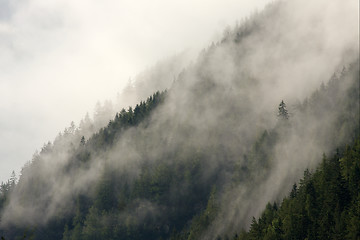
(283, 112)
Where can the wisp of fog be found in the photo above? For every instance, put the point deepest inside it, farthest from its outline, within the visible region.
(225, 100)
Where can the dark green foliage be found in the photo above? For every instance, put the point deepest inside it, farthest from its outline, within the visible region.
(124, 120)
(203, 220)
(163, 197)
(325, 206)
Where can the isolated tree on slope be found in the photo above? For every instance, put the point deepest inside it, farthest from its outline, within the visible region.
(283, 112)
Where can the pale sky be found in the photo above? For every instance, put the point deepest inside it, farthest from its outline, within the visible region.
(59, 57)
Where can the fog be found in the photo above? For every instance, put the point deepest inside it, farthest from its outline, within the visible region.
(224, 100)
(58, 58)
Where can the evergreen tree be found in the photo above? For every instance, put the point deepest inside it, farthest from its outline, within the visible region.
(283, 112)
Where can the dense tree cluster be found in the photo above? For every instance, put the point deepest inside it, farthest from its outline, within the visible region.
(124, 120)
(326, 205)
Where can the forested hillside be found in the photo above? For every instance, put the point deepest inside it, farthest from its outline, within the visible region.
(202, 159)
(326, 205)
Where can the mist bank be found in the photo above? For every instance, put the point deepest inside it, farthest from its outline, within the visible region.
(215, 128)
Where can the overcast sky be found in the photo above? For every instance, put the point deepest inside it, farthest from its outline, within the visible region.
(59, 57)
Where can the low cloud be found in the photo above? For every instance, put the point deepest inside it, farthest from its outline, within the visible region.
(225, 100)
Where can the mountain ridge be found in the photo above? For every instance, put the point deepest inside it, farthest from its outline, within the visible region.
(201, 159)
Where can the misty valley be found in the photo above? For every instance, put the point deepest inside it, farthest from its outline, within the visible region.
(257, 138)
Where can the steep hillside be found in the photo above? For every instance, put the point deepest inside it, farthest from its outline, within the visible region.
(326, 205)
(201, 159)
(258, 172)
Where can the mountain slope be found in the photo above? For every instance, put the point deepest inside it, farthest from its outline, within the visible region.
(259, 174)
(202, 159)
(324, 206)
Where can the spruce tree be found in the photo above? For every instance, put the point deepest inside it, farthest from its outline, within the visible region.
(283, 112)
